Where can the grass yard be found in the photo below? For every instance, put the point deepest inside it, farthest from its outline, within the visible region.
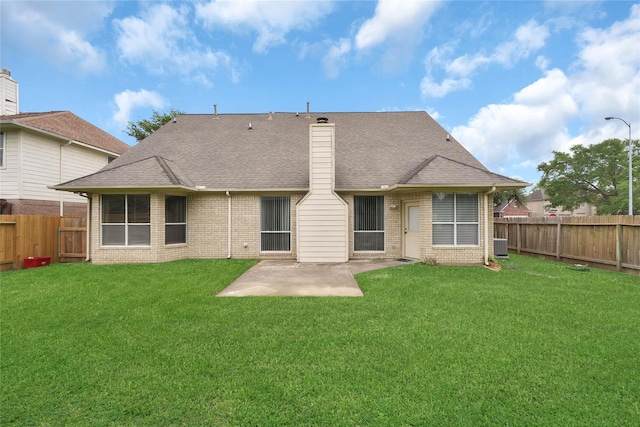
(534, 344)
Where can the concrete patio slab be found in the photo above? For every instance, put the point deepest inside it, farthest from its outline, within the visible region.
(289, 278)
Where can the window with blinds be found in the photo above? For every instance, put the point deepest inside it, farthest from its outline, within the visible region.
(455, 219)
(368, 223)
(175, 220)
(275, 224)
(126, 220)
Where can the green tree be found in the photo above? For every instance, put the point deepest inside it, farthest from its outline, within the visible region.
(518, 195)
(597, 174)
(143, 128)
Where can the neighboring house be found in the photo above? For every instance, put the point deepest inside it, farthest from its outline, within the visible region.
(38, 150)
(540, 206)
(331, 188)
(511, 209)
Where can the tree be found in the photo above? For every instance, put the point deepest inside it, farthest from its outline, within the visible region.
(518, 195)
(597, 174)
(143, 128)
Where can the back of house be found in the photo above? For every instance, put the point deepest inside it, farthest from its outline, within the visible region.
(321, 187)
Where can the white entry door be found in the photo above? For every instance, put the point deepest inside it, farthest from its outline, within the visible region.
(412, 230)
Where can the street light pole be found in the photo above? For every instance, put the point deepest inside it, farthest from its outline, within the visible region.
(630, 162)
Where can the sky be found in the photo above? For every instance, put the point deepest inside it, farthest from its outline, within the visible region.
(511, 80)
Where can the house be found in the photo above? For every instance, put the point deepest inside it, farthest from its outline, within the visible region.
(511, 209)
(541, 207)
(41, 149)
(323, 188)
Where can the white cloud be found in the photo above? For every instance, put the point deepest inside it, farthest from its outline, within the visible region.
(60, 34)
(272, 21)
(530, 127)
(128, 100)
(527, 39)
(392, 21)
(603, 81)
(431, 88)
(608, 77)
(160, 40)
(335, 57)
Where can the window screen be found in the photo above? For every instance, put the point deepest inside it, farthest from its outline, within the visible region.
(368, 223)
(275, 223)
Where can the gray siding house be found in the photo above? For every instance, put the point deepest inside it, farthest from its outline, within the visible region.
(326, 187)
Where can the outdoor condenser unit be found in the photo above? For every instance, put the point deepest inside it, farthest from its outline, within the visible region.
(500, 248)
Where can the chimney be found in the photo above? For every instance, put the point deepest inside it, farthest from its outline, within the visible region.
(8, 94)
(308, 116)
(215, 111)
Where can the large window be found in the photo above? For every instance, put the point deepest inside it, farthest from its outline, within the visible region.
(368, 223)
(455, 219)
(126, 220)
(275, 224)
(175, 220)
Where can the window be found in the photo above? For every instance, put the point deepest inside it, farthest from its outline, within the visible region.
(275, 224)
(2, 150)
(455, 219)
(126, 220)
(175, 220)
(368, 223)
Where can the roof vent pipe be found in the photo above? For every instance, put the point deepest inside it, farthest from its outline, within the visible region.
(308, 116)
(270, 115)
(215, 111)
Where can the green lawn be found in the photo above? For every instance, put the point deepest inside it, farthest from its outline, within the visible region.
(534, 344)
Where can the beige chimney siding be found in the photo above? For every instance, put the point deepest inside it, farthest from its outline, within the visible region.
(322, 214)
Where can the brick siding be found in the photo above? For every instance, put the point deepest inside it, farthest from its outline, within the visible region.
(46, 208)
(207, 231)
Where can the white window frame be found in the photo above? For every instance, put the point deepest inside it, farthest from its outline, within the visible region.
(377, 231)
(186, 220)
(264, 233)
(455, 223)
(126, 222)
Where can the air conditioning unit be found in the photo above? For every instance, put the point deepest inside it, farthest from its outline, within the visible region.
(500, 248)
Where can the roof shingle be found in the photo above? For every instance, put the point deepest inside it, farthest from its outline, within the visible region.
(373, 150)
(67, 125)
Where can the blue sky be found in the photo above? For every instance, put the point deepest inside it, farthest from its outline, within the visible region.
(511, 80)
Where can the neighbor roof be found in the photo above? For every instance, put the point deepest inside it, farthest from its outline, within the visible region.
(271, 152)
(67, 125)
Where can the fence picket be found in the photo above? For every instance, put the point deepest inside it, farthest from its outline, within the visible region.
(605, 241)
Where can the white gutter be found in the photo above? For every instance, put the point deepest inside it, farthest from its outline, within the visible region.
(486, 224)
(228, 225)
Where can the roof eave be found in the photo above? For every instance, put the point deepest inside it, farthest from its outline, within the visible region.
(58, 136)
(112, 188)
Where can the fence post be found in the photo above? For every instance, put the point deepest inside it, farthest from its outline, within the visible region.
(558, 240)
(518, 233)
(618, 247)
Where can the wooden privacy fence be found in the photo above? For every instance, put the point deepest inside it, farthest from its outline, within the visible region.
(22, 236)
(602, 241)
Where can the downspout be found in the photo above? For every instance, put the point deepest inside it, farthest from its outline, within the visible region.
(228, 225)
(89, 199)
(486, 224)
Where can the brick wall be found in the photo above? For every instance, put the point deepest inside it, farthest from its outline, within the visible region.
(46, 208)
(207, 231)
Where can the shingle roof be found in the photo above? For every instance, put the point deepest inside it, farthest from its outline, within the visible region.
(372, 150)
(67, 125)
